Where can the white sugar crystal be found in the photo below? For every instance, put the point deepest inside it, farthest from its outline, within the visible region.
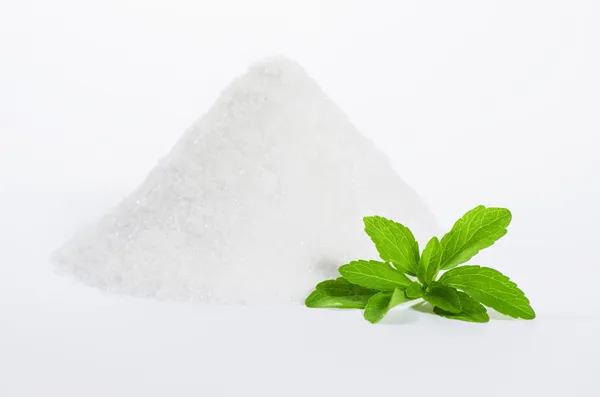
(260, 199)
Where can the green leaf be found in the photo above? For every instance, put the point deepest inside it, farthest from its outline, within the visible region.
(377, 307)
(398, 297)
(429, 265)
(379, 304)
(339, 294)
(342, 287)
(414, 290)
(476, 230)
(491, 288)
(395, 243)
(472, 310)
(319, 299)
(373, 274)
(444, 297)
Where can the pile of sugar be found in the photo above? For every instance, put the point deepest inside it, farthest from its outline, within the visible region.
(259, 200)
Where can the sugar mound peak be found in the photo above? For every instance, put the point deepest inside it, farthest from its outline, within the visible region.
(259, 200)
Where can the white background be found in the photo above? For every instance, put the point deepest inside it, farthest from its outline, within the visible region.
(475, 102)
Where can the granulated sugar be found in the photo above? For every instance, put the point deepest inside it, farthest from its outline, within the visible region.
(259, 200)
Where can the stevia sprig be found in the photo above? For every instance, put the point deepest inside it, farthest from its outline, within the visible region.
(461, 293)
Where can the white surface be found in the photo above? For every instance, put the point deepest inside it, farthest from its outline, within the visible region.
(60, 338)
(491, 102)
(126, 349)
